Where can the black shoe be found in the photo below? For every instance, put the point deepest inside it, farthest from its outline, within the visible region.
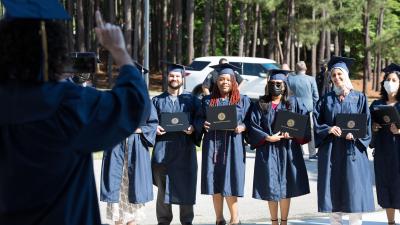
(221, 222)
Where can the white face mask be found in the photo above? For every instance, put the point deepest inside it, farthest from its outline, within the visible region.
(391, 87)
(337, 90)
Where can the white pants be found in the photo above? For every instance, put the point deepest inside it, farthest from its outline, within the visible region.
(354, 218)
(311, 145)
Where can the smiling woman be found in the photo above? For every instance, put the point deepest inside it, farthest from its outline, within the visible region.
(344, 174)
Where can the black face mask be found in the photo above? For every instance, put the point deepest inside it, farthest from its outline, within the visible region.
(274, 89)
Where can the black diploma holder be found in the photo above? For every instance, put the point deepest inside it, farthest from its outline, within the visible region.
(297, 125)
(173, 122)
(385, 115)
(352, 123)
(222, 117)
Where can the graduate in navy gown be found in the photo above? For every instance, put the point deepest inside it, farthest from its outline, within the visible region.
(223, 153)
(279, 171)
(174, 160)
(49, 129)
(344, 172)
(386, 141)
(127, 191)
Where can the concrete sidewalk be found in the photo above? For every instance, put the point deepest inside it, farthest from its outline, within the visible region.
(303, 209)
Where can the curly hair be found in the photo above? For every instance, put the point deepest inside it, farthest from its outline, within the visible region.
(20, 44)
(234, 95)
(384, 95)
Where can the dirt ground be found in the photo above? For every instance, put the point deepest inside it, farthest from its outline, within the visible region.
(358, 85)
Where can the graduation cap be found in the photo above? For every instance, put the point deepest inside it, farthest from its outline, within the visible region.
(340, 62)
(174, 67)
(391, 68)
(36, 9)
(140, 67)
(225, 68)
(278, 74)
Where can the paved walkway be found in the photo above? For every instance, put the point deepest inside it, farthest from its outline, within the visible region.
(303, 209)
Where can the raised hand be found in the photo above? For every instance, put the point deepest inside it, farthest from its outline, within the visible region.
(110, 37)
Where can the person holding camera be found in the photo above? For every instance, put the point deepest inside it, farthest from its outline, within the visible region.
(49, 129)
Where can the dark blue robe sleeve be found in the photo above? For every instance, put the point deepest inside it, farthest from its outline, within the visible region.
(363, 143)
(149, 130)
(99, 120)
(200, 117)
(247, 107)
(372, 144)
(197, 135)
(256, 133)
(321, 130)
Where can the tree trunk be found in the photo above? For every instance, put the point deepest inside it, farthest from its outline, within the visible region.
(272, 36)
(281, 56)
(367, 53)
(213, 29)
(128, 25)
(322, 39)
(178, 30)
(164, 42)
(80, 39)
(254, 42)
(289, 32)
(328, 44)
(227, 23)
(242, 31)
(292, 52)
(260, 29)
(70, 31)
(378, 61)
(206, 28)
(89, 26)
(190, 27)
(155, 42)
(136, 32)
(313, 48)
(337, 46)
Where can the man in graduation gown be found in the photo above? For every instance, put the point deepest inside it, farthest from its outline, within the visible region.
(174, 159)
(344, 172)
(48, 130)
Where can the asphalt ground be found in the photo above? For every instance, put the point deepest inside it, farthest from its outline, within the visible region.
(303, 209)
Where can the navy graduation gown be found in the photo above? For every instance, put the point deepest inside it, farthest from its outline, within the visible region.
(344, 172)
(139, 169)
(386, 164)
(279, 169)
(223, 154)
(176, 151)
(47, 134)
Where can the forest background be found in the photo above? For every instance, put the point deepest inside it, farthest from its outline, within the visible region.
(284, 30)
